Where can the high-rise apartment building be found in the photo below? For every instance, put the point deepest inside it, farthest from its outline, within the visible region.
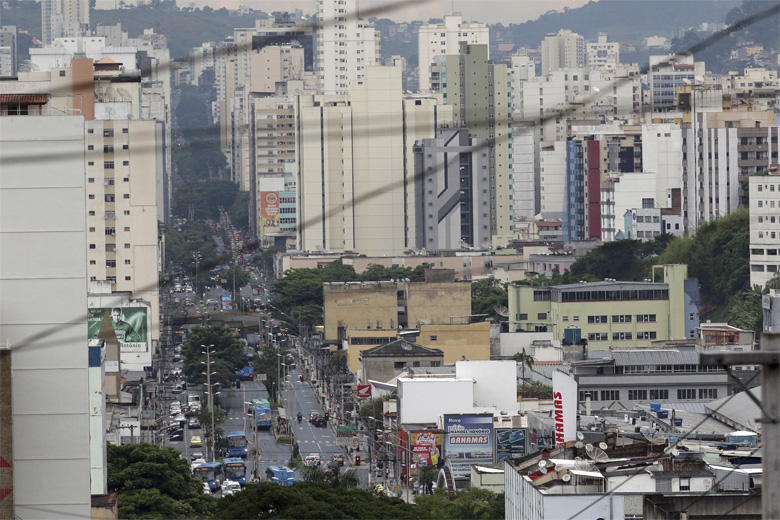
(8, 51)
(44, 417)
(356, 157)
(441, 39)
(602, 54)
(478, 90)
(562, 50)
(453, 201)
(345, 46)
(764, 227)
(63, 18)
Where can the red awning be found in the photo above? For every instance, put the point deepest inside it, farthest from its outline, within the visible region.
(24, 99)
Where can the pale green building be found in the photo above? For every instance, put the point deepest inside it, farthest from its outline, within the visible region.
(610, 313)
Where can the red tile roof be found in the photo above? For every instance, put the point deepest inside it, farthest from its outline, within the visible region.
(24, 99)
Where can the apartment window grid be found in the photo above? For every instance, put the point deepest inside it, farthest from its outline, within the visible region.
(659, 394)
(597, 319)
(610, 395)
(637, 395)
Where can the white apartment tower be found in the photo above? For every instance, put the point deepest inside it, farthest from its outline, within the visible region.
(764, 227)
(441, 39)
(345, 46)
(63, 18)
(564, 50)
(603, 54)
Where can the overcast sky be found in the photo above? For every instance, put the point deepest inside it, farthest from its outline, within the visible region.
(486, 11)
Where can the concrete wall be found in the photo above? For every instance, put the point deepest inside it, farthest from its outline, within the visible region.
(514, 342)
(358, 336)
(43, 312)
(457, 341)
(384, 369)
(424, 400)
(356, 305)
(496, 382)
(437, 302)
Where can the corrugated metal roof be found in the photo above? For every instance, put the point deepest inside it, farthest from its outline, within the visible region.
(25, 99)
(652, 356)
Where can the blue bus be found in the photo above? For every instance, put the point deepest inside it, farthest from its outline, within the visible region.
(210, 473)
(281, 475)
(261, 409)
(236, 444)
(235, 470)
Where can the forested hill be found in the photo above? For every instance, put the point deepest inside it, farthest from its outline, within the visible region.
(622, 20)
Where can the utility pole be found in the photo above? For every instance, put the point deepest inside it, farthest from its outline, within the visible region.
(211, 398)
(769, 359)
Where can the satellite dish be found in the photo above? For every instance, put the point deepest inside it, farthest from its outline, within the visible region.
(654, 436)
(501, 310)
(578, 445)
(589, 447)
(558, 467)
(542, 464)
(603, 445)
(543, 471)
(598, 455)
(580, 435)
(566, 477)
(595, 89)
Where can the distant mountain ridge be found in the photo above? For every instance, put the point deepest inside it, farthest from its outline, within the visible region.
(622, 20)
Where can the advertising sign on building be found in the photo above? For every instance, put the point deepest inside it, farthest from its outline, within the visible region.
(269, 211)
(469, 441)
(363, 391)
(129, 323)
(565, 403)
(426, 447)
(511, 443)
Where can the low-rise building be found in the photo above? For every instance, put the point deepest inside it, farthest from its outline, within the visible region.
(646, 374)
(385, 362)
(609, 313)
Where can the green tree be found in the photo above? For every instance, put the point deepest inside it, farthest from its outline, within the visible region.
(311, 500)
(747, 312)
(239, 211)
(337, 364)
(525, 360)
(265, 260)
(487, 295)
(182, 241)
(154, 482)
(241, 278)
(373, 407)
(473, 503)
(348, 479)
(227, 355)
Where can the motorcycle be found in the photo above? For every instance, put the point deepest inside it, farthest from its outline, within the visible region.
(300, 417)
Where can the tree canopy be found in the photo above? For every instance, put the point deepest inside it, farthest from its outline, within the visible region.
(227, 355)
(487, 295)
(621, 259)
(311, 500)
(182, 241)
(204, 199)
(154, 482)
(473, 503)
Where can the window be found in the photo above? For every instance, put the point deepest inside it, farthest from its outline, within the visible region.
(127, 212)
(126, 196)
(659, 394)
(91, 196)
(646, 335)
(109, 132)
(598, 336)
(127, 278)
(108, 165)
(125, 179)
(125, 147)
(597, 319)
(637, 395)
(125, 163)
(92, 246)
(686, 393)
(619, 336)
(108, 148)
(415, 363)
(127, 246)
(621, 318)
(541, 316)
(585, 394)
(523, 316)
(610, 395)
(708, 393)
(645, 318)
(91, 163)
(564, 318)
(127, 262)
(685, 484)
(434, 338)
(90, 147)
(124, 130)
(92, 230)
(92, 262)
(110, 263)
(91, 213)
(399, 365)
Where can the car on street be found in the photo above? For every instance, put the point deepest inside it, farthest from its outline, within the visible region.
(338, 458)
(230, 487)
(206, 488)
(196, 455)
(332, 468)
(211, 301)
(193, 423)
(195, 442)
(313, 460)
(319, 421)
(197, 462)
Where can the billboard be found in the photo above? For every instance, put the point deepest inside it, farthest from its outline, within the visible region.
(511, 443)
(469, 441)
(269, 212)
(426, 448)
(129, 325)
(565, 403)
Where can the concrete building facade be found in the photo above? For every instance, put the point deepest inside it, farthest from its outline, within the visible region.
(610, 313)
(764, 227)
(345, 46)
(453, 207)
(42, 213)
(602, 54)
(441, 39)
(562, 50)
